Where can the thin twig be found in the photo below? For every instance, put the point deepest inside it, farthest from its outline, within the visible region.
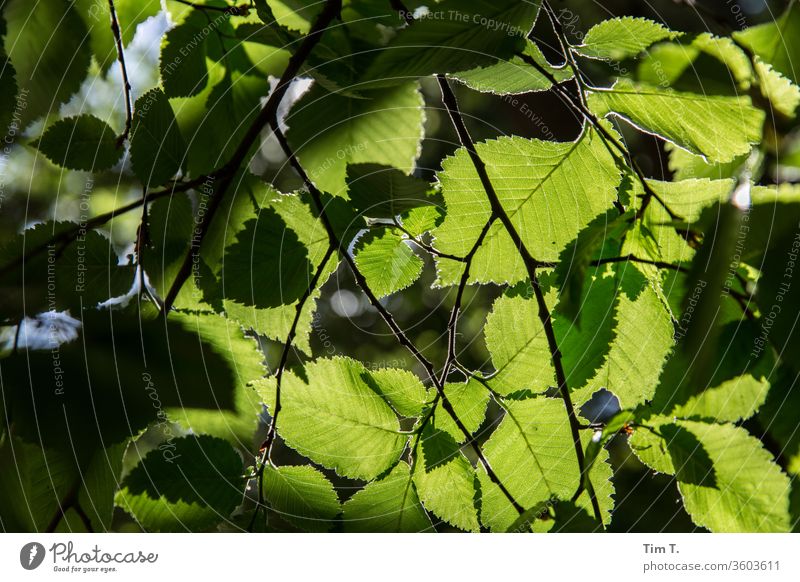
(423, 245)
(331, 11)
(266, 447)
(452, 324)
(126, 85)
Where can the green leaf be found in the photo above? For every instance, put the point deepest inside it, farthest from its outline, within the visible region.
(387, 505)
(302, 496)
(454, 36)
(401, 388)
(276, 322)
(387, 262)
(221, 402)
(533, 455)
(46, 43)
(80, 143)
(606, 230)
(170, 228)
(656, 238)
(294, 14)
(215, 119)
(448, 490)
(328, 131)
(717, 128)
(267, 266)
(781, 92)
(514, 76)
(732, 387)
(183, 55)
(772, 246)
(384, 192)
(157, 146)
(777, 416)
(728, 482)
(196, 487)
(469, 400)
(337, 420)
(99, 484)
(518, 345)
(550, 191)
(8, 95)
(694, 66)
(776, 42)
(618, 39)
(686, 166)
(132, 380)
(624, 342)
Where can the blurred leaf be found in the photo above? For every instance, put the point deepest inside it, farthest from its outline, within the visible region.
(193, 488)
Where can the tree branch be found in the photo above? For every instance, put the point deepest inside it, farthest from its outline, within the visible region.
(401, 336)
(226, 174)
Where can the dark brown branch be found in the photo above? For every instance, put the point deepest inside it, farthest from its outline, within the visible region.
(452, 324)
(126, 85)
(227, 173)
(531, 265)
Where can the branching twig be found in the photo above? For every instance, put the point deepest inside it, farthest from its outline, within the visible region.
(424, 246)
(399, 334)
(531, 265)
(452, 324)
(226, 174)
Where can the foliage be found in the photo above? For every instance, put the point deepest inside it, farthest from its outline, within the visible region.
(172, 375)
